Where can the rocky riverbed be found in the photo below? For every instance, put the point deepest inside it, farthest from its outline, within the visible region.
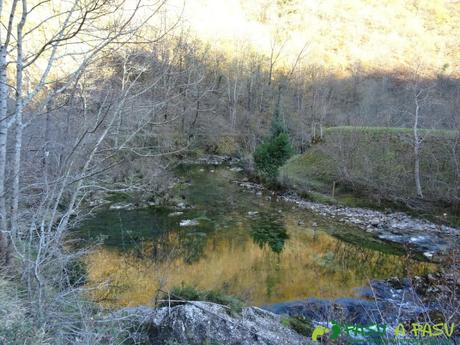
(212, 160)
(433, 240)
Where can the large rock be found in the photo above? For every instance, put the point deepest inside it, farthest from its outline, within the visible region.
(197, 323)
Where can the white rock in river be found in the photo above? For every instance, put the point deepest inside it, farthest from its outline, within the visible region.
(375, 221)
(428, 255)
(417, 239)
(189, 222)
(173, 214)
(182, 205)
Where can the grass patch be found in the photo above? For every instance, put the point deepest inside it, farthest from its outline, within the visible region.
(298, 324)
(373, 167)
(190, 293)
(16, 327)
(310, 171)
(442, 133)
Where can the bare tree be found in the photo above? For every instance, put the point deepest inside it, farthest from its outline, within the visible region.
(43, 183)
(80, 30)
(420, 93)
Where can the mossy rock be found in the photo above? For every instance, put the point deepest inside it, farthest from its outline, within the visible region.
(299, 324)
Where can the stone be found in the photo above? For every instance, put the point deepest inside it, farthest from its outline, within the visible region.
(189, 222)
(375, 221)
(121, 206)
(428, 255)
(174, 214)
(182, 205)
(197, 323)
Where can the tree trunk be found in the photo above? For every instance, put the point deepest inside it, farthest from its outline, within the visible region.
(418, 185)
(19, 125)
(3, 140)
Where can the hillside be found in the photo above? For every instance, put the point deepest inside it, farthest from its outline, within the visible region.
(376, 35)
(378, 163)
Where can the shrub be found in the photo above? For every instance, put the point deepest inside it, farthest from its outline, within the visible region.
(271, 155)
(299, 324)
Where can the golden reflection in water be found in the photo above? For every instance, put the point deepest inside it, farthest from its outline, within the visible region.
(312, 264)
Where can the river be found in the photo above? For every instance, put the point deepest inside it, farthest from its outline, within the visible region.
(252, 246)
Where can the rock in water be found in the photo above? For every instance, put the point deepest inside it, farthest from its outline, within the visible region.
(175, 214)
(189, 222)
(197, 323)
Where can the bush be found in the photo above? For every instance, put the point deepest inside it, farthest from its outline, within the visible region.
(299, 324)
(271, 155)
(77, 272)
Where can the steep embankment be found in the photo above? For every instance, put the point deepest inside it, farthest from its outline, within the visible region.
(374, 166)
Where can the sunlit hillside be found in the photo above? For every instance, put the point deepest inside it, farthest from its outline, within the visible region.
(388, 34)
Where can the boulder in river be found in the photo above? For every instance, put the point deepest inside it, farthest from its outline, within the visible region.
(189, 222)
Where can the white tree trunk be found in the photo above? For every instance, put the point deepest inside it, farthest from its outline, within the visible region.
(418, 185)
(19, 124)
(3, 139)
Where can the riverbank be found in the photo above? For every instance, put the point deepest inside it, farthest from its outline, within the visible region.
(433, 240)
(372, 167)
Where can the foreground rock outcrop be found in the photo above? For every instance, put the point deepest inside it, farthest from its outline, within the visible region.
(197, 323)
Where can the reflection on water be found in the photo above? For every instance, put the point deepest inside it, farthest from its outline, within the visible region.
(268, 229)
(263, 257)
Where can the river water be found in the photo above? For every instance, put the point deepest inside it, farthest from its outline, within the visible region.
(255, 247)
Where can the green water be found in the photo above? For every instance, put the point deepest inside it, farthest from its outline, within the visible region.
(255, 247)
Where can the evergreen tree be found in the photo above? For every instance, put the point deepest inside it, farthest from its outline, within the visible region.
(274, 152)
